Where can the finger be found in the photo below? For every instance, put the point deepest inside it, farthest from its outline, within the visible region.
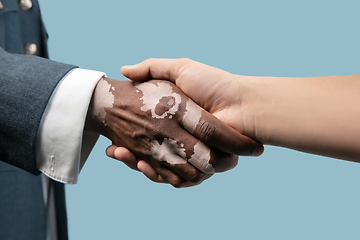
(176, 180)
(210, 130)
(223, 161)
(125, 156)
(110, 151)
(169, 175)
(172, 155)
(208, 161)
(217, 134)
(169, 159)
(190, 173)
(149, 172)
(153, 69)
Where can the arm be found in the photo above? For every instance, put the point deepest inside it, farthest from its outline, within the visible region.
(317, 115)
(62, 144)
(26, 84)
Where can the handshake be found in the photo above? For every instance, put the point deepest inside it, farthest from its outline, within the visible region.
(180, 121)
(175, 121)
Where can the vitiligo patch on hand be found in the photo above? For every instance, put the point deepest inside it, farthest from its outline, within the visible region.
(165, 151)
(201, 158)
(105, 98)
(153, 94)
(170, 152)
(160, 99)
(192, 116)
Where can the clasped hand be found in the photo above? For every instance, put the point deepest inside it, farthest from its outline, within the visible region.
(158, 123)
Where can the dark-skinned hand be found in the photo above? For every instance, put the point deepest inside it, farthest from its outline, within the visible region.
(158, 123)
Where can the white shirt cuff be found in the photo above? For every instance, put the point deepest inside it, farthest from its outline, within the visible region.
(62, 144)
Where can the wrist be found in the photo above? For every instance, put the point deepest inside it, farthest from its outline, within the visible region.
(277, 109)
(102, 100)
(247, 106)
(261, 106)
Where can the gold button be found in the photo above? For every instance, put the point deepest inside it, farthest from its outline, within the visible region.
(30, 49)
(25, 5)
(1, 5)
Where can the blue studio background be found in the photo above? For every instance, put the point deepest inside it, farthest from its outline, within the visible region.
(283, 194)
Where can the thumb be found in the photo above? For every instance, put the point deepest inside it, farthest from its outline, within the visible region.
(162, 69)
(137, 73)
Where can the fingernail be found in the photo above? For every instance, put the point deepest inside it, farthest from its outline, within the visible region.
(257, 151)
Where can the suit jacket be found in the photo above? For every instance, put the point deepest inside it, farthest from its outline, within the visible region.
(26, 84)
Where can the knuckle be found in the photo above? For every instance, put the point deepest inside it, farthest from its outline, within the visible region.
(207, 131)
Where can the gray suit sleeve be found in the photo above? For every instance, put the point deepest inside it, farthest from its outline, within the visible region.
(26, 84)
